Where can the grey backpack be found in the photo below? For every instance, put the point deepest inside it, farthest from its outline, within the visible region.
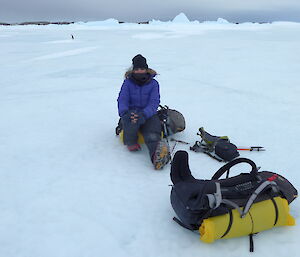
(172, 120)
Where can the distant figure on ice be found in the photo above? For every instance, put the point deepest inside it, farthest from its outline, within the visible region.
(72, 36)
(138, 101)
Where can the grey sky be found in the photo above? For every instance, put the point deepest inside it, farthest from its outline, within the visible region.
(134, 10)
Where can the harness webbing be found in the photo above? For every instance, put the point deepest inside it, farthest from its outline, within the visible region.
(214, 200)
(229, 224)
(276, 211)
(183, 225)
(251, 243)
(234, 205)
(255, 194)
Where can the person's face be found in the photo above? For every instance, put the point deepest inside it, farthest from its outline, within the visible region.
(139, 70)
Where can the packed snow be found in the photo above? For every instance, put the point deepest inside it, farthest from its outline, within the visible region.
(69, 188)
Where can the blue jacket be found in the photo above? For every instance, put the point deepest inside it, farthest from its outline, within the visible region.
(145, 98)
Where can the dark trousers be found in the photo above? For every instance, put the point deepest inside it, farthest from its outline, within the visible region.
(180, 170)
(151, 131)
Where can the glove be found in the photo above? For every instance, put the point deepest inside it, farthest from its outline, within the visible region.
(137, 117)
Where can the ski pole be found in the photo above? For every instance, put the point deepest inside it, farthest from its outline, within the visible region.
(173, 148)
(252, 148)
(179, 141)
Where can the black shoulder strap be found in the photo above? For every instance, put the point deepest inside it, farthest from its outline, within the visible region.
(228, 165)
(251, 243)
(183, 225)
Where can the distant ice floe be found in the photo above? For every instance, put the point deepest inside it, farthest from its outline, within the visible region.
(108, 22)
(180, 25)
(179, 19)
(222, 21)
(182, 19)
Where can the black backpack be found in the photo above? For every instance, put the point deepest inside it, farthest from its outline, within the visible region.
(226, 150)
(219, 148)
(194, 200)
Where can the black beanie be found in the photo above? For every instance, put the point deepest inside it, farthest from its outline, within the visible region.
(139, 61)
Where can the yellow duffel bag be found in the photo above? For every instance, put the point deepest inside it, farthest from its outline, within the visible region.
(140, 137)
(262, 216)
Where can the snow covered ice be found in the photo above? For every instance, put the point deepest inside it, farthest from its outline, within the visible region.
(70, 188)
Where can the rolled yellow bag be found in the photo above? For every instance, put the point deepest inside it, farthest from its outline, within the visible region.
(140, 137)
(260, 217)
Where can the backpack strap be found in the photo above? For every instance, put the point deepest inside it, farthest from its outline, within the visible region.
(251, 243)
(228, 165)
(215, 199)
(276, 211)
(229, 224)
(255, 194)
(233, 204)
(183, 225)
